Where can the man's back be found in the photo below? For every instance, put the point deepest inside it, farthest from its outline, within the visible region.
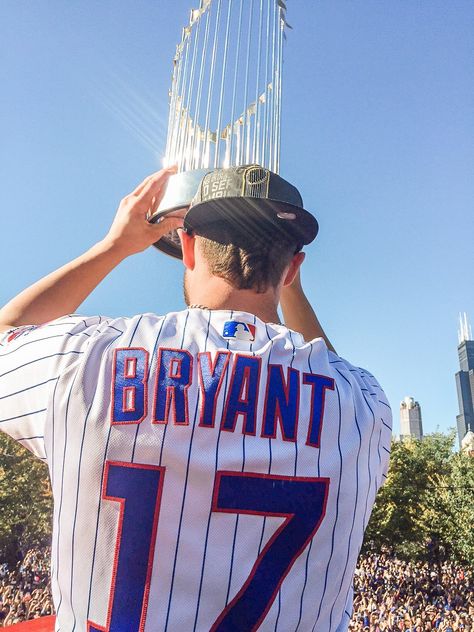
(210, 471)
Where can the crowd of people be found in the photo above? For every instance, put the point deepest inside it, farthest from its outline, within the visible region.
(390, 595)
(24, 591)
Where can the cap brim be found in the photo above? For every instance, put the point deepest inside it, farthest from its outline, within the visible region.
(170, 243)
(246, 214)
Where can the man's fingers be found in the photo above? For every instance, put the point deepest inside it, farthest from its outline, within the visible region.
(166, 225)
(148, 179)
(155, 185)
(142, 184)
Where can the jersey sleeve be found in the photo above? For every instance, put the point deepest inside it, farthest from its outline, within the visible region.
(32, 359)
(376, 400)
(383, 416)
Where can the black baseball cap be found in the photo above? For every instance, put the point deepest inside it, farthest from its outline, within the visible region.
(250, 198)
(247, 200)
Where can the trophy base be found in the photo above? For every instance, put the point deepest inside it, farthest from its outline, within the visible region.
(181, 189)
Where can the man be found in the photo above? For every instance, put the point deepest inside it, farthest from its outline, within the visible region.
(211, 469)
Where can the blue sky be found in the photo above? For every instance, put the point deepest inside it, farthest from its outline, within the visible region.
(377, 133)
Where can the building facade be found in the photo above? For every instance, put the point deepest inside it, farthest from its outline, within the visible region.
(465, 379)
(411, 426)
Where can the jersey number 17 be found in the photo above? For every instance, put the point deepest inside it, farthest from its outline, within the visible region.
(301, 501)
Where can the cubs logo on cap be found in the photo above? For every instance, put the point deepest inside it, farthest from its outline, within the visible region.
(239, 330)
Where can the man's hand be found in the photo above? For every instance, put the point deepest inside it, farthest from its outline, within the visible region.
(62, 291)
(130, 231)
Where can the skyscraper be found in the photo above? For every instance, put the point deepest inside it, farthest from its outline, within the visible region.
(465, 379)
(410, 419)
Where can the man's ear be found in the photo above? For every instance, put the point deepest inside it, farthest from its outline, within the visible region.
(293, 268)
(188, 244)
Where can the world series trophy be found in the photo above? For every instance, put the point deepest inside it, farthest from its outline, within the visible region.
(225, 109)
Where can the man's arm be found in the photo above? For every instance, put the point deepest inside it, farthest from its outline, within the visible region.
(298, 313)
(62, 291)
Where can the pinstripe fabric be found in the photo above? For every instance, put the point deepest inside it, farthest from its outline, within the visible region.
(208, 522)
(56, 385)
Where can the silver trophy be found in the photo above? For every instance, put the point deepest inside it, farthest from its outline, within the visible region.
(225, 97)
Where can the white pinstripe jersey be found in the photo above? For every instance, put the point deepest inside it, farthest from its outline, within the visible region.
(209, 471)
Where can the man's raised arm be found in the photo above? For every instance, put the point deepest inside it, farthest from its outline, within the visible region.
(298, 313)
(62, 291)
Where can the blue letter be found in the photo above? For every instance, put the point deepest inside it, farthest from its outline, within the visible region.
(172, 383)
(282, 403)
(129, 387)
(319, 384)
(243, 394)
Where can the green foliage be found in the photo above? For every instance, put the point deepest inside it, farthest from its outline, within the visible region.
(426, 507)
(25, 501)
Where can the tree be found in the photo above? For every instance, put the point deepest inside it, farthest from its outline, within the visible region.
(25, 500)
(451, 509)
(426, 507)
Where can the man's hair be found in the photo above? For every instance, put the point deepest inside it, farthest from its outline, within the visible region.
(252, 261)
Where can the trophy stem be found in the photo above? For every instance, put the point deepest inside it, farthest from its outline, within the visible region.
(207, 133)
(245, 143)
(196, 144)
(281, 34)
(266, 100)
(273, 122)
(222, 90)
(234, 90)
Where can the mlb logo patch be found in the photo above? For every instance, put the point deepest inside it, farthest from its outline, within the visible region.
(238, 330)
